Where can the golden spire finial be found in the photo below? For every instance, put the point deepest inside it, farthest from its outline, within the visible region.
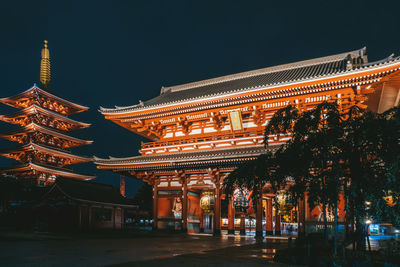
(45, 67)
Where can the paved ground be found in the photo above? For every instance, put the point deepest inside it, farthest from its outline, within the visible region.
(149, 250)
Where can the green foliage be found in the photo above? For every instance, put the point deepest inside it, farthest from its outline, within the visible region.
(371, 157)
(251, 175)
(281, 122)
(144, 198)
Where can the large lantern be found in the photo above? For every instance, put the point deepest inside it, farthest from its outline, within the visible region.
(284, 201)
(207, 202)
(241, 200)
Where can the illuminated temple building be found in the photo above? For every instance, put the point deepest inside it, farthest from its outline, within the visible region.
(44, 152)
(202, 131)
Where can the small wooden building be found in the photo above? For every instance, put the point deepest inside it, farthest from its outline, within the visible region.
(72, 205)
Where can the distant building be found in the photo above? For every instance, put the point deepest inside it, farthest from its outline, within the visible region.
(201, 131)
(44, 153)
(79, 205)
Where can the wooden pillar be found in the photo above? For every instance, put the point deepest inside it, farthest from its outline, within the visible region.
(242, 224)
(231, 217)
(90, 217)
(301, 218)
(37, 179)
(201, 221)
(259, 217)
(268, 217)
(349, 227)
(184, 206)
(80, 217)
(277, 222)
(155, 206)
(114, 217)
(122, 218)
(217, 211)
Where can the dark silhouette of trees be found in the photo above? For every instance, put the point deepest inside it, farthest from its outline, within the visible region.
(144, 198)
(331, 151)
(17, 202)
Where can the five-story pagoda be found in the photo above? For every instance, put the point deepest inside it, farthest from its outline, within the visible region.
(44, 152)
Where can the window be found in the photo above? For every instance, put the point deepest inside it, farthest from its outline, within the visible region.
(101, 214)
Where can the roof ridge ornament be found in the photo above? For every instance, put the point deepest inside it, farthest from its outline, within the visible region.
(45, 67)
(349, 64)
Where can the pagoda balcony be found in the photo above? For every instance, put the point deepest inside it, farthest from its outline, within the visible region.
(40, 134)
(38, 115)
(239, 139)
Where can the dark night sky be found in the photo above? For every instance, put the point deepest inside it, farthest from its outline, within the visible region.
(107, 53)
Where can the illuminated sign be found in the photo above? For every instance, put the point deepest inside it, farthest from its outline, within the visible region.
(235, 118)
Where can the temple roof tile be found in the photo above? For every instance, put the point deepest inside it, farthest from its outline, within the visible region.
(48, 169)
(34, 89)
(198, 156)
(344, 63)
(48, 150)
(37, 109)
(36, 127)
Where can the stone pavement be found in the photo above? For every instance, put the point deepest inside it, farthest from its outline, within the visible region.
(246, 255)
(130, 250)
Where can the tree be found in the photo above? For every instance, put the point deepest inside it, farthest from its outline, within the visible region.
(251, 175)
(332, 151)
(370, 154)
(315, 143)
(144, 198)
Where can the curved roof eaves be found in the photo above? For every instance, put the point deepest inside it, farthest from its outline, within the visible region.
(250, 83)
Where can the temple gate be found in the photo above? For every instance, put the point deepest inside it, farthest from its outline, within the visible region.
(201, 131)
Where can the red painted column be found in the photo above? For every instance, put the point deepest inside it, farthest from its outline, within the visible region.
(201, 221)
(301, 218)
(277, 222)
(259, 217)
(155, 206)
(242, 224)
(231, 217)
(217, 211)
(268, 217)
(184, 206)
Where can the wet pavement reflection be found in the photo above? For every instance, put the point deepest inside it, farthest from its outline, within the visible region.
(102, 251)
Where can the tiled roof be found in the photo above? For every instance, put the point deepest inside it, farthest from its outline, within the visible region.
(36, 90)
(37, 127)
(195, 158)
(49, 149)
(34, 109)
(91, 191)
(64, 172)
(281, 74)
